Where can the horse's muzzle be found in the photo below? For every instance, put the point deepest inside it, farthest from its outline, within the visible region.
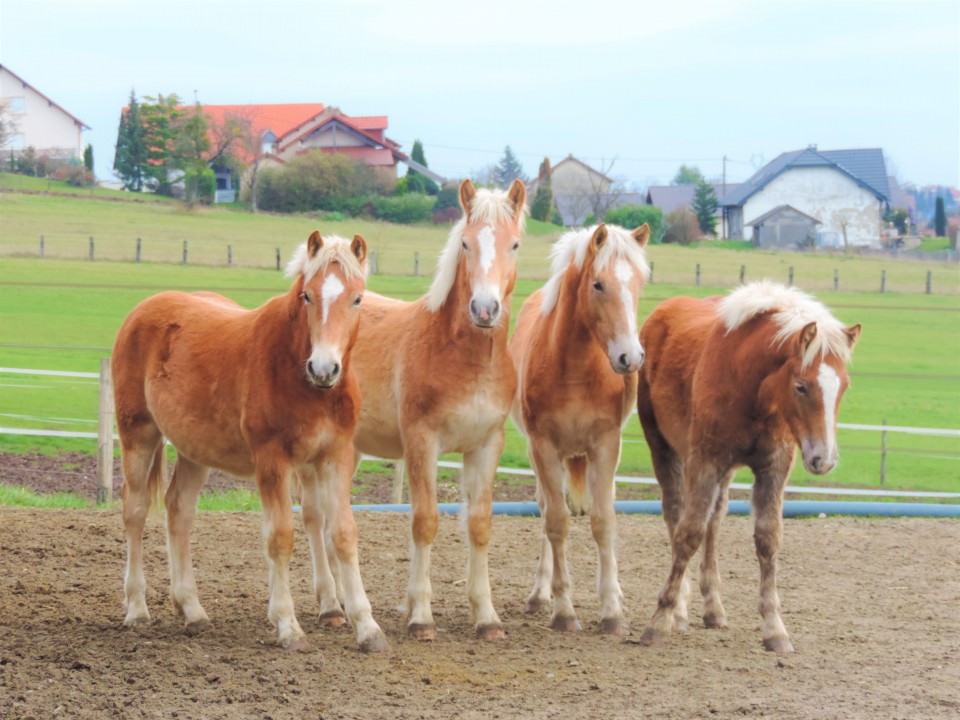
(323, 375)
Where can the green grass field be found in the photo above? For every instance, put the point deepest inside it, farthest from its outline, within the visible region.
(62, 314)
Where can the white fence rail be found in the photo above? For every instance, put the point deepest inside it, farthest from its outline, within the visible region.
(105, 438)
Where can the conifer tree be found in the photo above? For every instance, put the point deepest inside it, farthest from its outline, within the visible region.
(508, 169)
(543, 198)
(88, 157)
(131, 155)
(940, 218)
(705, 206)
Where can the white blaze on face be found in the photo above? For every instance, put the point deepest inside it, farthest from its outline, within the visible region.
(331, 290)
(488, 248)
(624, 273)
(829, 388)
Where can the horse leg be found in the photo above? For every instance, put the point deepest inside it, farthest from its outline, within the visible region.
(714, 616)
(181, 502)
(767, 536)
(479, 470)
(556, 521)
(701, 484)
(143, 476)
(668, 468)
(335, 476)
(324, 584)
(540, 595)
(420, 457)
(273, 482)
(604, 456)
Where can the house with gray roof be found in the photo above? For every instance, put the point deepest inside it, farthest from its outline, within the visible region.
(845, 191)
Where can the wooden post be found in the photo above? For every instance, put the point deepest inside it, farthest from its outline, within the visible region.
(278, 258)
(790, 276)
(836, 279)
(90, 253)
(229, 255)
(698, 274)
(105, 435)
(929, 282)
(416, 263)
(396, 493)
(184, 252)
(42, 249)
(883, 281)
(743, 273)
(883, 453)
(651, 272)
(373, 263)
(139, 242)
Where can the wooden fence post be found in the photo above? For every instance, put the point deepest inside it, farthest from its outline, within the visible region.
(396, 492)
(883, 281)
(698, 274)
(836, 279)
(42, 249)
(184, 261)
(651, 272)
(105, 435)
(90, 253)
(229, 255)
(929, 282)
(373, 263)
(743, 273)
(790, 276)
(278, 258)
(416, 263)
(139, 242)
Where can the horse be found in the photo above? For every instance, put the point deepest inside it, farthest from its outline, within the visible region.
(436, 377)
(732, 382)
(577, 355)
(262, 392)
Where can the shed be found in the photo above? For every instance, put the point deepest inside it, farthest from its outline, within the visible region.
(784, 226)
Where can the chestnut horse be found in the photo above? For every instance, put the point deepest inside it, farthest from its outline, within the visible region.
(436, 377)
(260, 392)
(729, 383)
(577, 355)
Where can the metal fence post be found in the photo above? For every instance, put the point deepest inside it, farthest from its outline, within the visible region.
(105, 435)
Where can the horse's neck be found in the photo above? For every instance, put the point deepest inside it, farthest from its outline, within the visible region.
(567, 332)
(281, 338)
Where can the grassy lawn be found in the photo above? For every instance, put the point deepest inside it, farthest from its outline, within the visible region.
(60, 313)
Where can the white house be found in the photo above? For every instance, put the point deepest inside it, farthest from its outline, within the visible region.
(845, 191)
(38, 121)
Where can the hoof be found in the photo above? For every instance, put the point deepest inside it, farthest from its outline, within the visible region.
(562, 623)
(136, 621)
(778, 645)
(681, 625)
(196, 627)
(652, 638)
(333, 618)
(422, 631)
(376, 643)
(491, 631)
(711, 620)
(534, 606)
(296, 645)
(613, 626)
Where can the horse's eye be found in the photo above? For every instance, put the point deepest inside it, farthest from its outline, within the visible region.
(357, 300)
(464, 245)
(516, 246)
(800, 389)
(305, 298)
(598, 286)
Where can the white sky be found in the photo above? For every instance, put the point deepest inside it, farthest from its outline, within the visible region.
(647, 85)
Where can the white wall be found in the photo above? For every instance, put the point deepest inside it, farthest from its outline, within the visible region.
(42, 125)
(828, 195)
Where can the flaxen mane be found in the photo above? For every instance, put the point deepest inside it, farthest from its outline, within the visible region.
(491, 207)
(572, 248)
(792, 310)
(334, 249)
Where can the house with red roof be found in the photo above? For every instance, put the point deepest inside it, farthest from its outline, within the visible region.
(285, 131)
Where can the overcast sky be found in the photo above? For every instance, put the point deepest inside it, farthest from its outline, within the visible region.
(643, 85)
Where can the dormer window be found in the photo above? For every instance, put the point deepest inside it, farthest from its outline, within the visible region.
(268, 142)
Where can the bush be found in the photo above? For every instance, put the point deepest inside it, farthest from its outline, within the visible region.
(447, 208)
(76, 175)
(404, 209)
(320, 181)
(200, 185)
(681, 227)
(633, 216)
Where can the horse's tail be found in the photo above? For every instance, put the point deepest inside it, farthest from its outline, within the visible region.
(157, 477)
(577, 491)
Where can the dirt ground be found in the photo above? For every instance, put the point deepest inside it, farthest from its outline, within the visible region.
(873, 607)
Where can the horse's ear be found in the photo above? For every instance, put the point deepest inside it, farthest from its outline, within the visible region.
(359, 248)
(517, 195)
(467, 193)
(807, 335)
(642, 235)
(853, 334)
(314, 243)
(599, 237)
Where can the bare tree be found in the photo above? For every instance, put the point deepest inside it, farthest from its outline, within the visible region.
(604, 190)
(8, 124)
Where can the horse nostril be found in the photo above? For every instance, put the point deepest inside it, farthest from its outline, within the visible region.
(310, 368)
(335, 370)
(816, 461)
(623, 359)
(496, 309)
(473, 308)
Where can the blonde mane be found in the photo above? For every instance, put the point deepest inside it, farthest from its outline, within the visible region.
(572, 248)
(792, 310)
(489, 207)
(334, 249)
